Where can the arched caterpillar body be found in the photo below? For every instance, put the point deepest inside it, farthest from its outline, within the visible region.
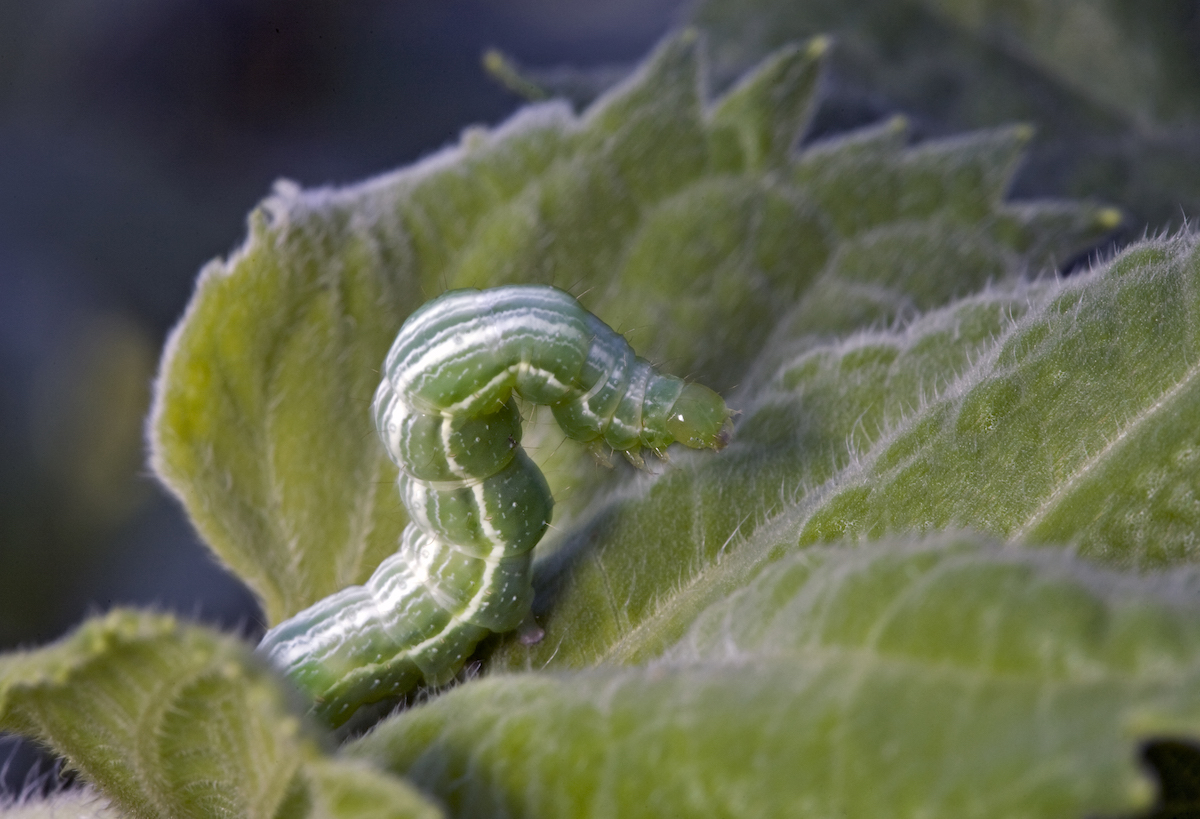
(477, 504)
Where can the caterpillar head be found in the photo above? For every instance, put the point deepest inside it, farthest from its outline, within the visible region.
(699, 418)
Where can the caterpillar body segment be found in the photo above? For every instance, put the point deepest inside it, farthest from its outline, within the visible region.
(477, 504)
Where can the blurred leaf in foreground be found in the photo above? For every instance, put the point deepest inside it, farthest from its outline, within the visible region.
(170, 720)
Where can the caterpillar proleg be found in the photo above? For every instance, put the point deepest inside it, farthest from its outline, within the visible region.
(477, 504)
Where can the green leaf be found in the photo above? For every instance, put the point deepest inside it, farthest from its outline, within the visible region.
(170, 720)
(345, 789)
(948, 678)
(1112, 85)
(580, 86)
(687, 224)
(767, 112)
(1113, 52)
(259, 421)
(1116, 54)
(1058, 411)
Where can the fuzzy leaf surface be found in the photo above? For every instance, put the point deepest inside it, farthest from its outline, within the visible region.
(1057, 412)
(171, 720)
(946, 678)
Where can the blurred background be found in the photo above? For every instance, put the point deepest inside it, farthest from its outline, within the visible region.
(135, 136)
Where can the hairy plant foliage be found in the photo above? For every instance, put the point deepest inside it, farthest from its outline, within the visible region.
(946, 567)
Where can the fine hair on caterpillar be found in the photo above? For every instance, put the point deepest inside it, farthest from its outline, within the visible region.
(477, 505)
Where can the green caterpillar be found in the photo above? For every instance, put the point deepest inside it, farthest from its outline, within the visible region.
(477, 504)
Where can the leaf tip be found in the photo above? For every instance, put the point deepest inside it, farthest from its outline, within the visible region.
(1023, 132)
(818, 46)
(505, 71)
(688, 36)
(1109, 218)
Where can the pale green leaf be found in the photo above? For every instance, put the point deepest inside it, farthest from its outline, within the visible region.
(1055, 411)
(768, 111)
(345, 789)
(951, 678)
(171, 720)
(1113, 86)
